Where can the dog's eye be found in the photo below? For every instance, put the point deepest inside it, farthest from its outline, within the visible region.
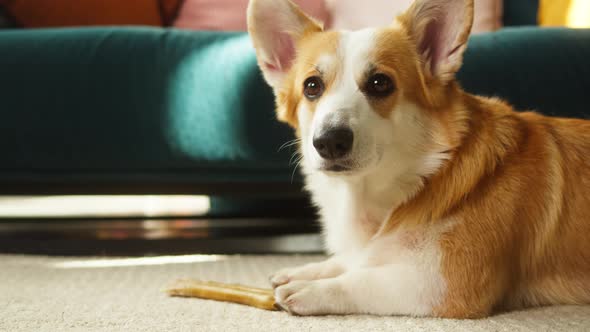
(379, 85)
(313, 88)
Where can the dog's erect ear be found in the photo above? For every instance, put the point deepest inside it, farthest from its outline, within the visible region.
(440, 29)
(275, 26)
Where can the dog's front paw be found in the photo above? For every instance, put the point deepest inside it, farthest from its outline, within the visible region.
(298, 298)
(304, 298)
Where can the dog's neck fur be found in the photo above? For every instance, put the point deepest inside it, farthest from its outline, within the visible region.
(491, 133)
(353, 209)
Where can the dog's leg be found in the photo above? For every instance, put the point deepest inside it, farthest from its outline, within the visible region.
(397, 289)
(329, 268)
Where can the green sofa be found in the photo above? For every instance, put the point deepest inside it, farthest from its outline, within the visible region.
(117, 110)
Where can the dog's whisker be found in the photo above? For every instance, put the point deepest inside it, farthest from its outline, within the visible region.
(289, 143)
(295, 158)
(295, 169)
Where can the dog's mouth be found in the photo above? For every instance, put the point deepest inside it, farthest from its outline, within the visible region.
(340, 168)
(348, 167)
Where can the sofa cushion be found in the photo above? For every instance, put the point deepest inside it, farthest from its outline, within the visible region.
(543, 69)
(134, 107)
(136, 104)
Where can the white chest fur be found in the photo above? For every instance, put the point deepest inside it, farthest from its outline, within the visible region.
(351, 211)
(393, 273)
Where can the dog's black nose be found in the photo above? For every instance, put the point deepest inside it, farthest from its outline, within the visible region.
(334, 143)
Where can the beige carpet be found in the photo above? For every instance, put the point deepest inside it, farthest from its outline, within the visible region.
(81, 294)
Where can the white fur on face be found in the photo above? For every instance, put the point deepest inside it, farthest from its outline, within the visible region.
(391, 155)
(403, 135)
(344, 104)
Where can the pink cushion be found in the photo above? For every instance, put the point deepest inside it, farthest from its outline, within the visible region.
(351, 15)
(230, 15)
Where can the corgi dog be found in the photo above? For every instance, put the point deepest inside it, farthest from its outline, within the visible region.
(433, 201)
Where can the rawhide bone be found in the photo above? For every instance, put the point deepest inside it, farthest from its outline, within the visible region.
(252, 296)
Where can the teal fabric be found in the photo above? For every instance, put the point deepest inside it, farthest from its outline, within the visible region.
(136, 106)
(543, 69)
(520, 12)
(137, 99)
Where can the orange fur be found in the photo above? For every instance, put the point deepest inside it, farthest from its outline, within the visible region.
(310, 48)
(519, 183)
(516, 184)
